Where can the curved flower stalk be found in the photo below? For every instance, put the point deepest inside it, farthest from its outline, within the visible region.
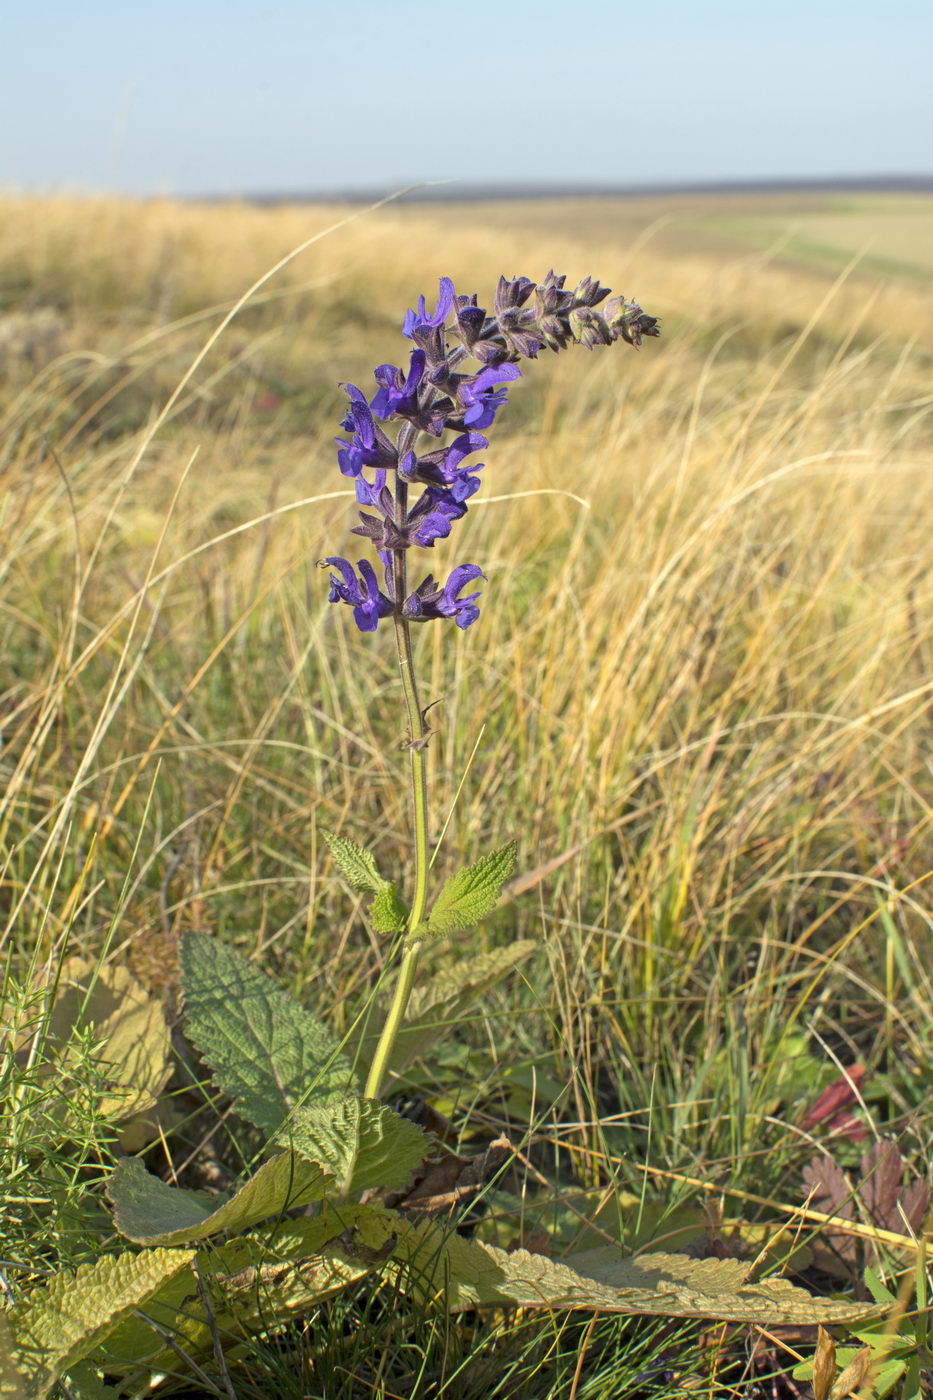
(437, 397)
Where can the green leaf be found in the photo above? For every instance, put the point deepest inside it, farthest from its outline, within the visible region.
(12, 1381)
(364, 1143)
(148, 1211)
(470, 894)
(253, 1282)
(877, 1288)
(443, 1000)
(263, 1048)
(357, 866)
(59, 1324)
(85, 1384)
(388, 913)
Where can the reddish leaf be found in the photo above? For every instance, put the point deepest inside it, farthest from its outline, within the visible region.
(830, 1193)
(914, 1203)
(882, 1170)
(837, 1096)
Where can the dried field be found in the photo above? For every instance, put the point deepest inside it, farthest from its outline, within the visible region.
(699, 693)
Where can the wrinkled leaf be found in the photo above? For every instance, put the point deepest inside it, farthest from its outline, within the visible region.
(388, 912)
(254, 1282)
(59, 1324)
(263, 1048)
(364, 1143)
(471, 894)
(148, 1211)
(12, 1381)
(358, 867)
(469, 1273)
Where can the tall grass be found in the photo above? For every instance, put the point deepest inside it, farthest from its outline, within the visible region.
(699, 693)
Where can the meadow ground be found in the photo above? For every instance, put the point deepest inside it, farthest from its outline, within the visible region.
(699, 695)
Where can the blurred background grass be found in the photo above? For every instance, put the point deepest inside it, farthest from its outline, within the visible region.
(699, 693)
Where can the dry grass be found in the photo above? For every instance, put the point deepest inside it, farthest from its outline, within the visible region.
(700, 687)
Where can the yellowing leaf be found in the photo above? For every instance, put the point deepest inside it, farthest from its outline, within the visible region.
(12, 1382)
(60, 1323)
(469, 1273)
(126, 1019)
(256, 1281)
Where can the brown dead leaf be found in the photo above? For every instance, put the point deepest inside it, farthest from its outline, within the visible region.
(882, 1169)
(824, 1365)
(913, 1205)
(447, 1182)
(851, 1380)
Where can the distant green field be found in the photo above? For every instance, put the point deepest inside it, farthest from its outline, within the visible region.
(889, 235)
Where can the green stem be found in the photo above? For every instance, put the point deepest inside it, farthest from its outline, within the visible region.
(417, 749)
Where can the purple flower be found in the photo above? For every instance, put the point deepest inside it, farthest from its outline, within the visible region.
(442, 467)
(363, 594)
(397, 395)
(369, 447)
(480, 398)
(369, 495)
(416, 320)
(435, 512)
(428, 601)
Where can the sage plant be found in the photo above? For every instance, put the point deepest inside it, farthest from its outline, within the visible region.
(419, 432)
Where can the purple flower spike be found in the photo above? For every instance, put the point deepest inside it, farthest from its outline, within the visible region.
(439, 397)
(366, 599)
(414, 320)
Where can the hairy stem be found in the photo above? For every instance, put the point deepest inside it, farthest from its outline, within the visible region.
(417, 749)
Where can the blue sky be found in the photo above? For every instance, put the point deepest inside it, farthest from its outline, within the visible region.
(204, 96)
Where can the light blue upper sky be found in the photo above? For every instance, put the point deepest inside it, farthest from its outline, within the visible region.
(216, 96)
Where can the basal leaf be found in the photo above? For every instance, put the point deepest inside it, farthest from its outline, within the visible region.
(262, 1047)
(148, 1211)
(364, 1143)
(130, 1025)
(255, 1281)
(357, 866)
(59, 1324)
(471, 894)
(441, 1002)
(12, 1381)
(469, 1274)
(388, 912)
